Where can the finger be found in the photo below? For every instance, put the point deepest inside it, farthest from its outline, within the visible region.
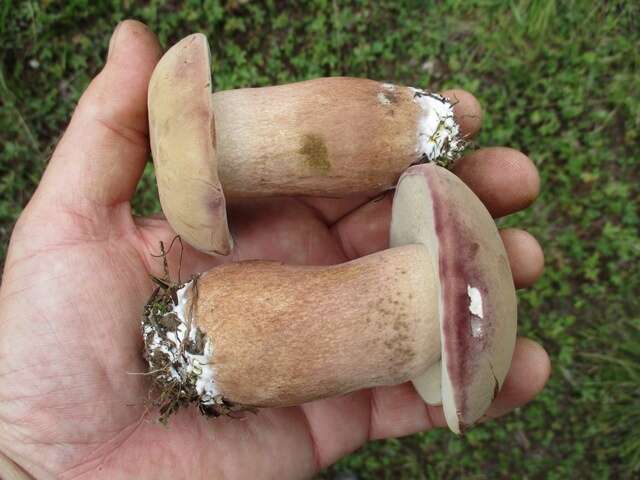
(102, 154)
(399, 410)
(503, 178)
(330, 210)
(525, 256)
(467, 111)
(365, 230)
(340, 425)
(530, 370)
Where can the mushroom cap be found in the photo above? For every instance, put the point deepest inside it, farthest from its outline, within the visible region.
(428, 384)
(183, 138)
(477, 299)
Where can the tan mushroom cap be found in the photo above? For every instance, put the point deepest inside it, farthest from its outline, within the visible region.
(477, 300)
(182, 135)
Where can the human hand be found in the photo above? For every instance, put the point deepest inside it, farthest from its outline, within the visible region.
(77, 276)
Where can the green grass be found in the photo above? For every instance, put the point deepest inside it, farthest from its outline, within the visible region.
(558, 80)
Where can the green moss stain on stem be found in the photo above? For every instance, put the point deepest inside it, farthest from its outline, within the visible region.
(315, 153)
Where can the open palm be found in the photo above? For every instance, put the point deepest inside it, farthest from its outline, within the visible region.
(72, 402)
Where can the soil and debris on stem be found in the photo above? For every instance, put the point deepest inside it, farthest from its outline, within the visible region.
(439, 137)
(179, 353)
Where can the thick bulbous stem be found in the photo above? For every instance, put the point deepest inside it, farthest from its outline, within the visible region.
(320, 137)
(327, 136)
(284, 335)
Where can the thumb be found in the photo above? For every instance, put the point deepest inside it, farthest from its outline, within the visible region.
(100, 158)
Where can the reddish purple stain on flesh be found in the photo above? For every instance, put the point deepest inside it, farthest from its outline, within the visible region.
(458, 264)
(215, 202)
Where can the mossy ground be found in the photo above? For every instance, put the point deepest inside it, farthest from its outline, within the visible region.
(558, 80)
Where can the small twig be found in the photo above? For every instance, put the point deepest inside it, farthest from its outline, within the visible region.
(164, 254)
(456, 102)
(151, 372)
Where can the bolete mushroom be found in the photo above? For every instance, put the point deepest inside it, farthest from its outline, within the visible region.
(475, 291)
(327, 137)
(263, 334)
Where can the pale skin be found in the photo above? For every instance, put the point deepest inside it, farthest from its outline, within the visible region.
(77, 277)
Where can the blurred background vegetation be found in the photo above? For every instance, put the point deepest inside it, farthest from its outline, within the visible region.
(558, 80)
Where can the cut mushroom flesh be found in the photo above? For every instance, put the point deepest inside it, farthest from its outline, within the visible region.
(477, 301)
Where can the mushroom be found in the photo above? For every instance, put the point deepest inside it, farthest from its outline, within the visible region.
(475, 291)
(263, 334)
(328, 137)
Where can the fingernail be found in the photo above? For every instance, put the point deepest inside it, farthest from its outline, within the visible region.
(114, 40)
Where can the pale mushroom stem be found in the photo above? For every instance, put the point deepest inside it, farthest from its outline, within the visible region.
(284, 335)
(327, 136)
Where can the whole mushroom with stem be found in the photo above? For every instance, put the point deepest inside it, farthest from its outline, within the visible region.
(438, 308)
(328, 137)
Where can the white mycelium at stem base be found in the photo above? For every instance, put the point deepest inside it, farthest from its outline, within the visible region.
(439, 137)
(178, 352)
